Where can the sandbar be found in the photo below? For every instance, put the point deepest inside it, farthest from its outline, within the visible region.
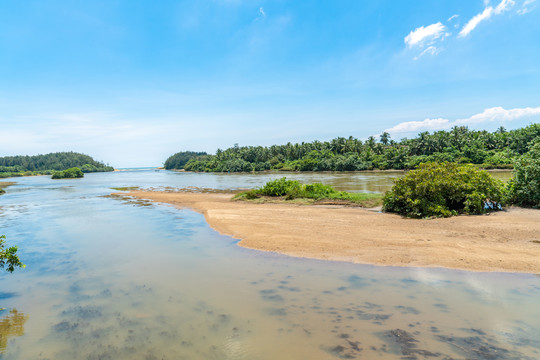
(504, 241)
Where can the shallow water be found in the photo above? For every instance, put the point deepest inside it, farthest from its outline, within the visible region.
(110, 279)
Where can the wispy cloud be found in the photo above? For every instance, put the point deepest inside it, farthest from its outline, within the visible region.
(525, 7)
(424, 39)
(431, 50)
(261, 12)
(492, 115)
(487, 13)
(427, 35)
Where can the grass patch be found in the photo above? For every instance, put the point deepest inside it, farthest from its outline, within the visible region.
(125, 188)
(4, 185)
(319, 194)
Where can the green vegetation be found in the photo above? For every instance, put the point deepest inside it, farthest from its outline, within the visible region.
(70, 173)
(283, 189)
(125, 188)
(444, 189)
(499, 149)
(8, 256)
(524, 188)
(46, 164)
(178, 160)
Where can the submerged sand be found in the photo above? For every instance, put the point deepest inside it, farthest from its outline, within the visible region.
(507, 241)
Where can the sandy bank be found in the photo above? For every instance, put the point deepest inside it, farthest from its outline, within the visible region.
(505, 241)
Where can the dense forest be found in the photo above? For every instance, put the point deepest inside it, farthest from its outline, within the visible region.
(46, 164)
(178, 160)
(498, 149)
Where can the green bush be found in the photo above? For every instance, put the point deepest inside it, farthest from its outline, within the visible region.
(70, 173)
(524, 188)
(444, 189)
(292, 189)
(280, 187)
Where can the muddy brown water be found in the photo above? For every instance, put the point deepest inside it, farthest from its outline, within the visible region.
(112, 279)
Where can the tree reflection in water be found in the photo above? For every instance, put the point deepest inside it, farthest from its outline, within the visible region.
(11, 325)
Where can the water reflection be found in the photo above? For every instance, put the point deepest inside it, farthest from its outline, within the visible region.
(11, 325)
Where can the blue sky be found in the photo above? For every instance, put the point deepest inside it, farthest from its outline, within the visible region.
(131, 82)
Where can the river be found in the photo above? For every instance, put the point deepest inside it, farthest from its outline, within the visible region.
(108, 278)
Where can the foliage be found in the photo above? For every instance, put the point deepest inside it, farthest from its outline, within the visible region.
(499, 149)
(292, 189)
(8, 256)
(46, 164)
(524, 188)
(444, 189)
(70, 173)
(178, 160)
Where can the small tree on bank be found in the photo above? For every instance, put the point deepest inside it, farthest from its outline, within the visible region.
(524, 188)
(8, 256)
(443, 190)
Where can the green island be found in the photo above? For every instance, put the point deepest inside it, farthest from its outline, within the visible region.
(489, 150)
(47, 164)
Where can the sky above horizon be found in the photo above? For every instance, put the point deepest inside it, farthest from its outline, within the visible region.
(132, 82)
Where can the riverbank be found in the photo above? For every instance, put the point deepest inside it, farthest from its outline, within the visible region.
(507, 241)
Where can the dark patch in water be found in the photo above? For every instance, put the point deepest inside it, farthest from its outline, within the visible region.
(65, 326)
(476, 347)
(409, 281)
(276, 311)
(292, 289)
(407, 310)
(7, 295)
(407, 344)
(362, 315)
(83, 312)
(357, 282)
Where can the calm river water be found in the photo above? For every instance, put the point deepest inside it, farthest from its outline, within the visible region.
(114, 279)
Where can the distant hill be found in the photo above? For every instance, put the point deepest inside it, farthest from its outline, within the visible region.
(45, 164)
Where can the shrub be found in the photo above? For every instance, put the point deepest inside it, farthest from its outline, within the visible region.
(524, 188)
(280, 187)
(444, 189)
(70, 173)
(291, 189)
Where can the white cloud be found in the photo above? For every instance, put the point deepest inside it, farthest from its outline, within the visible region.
(488, 12)
(425, 35)
(499, 114)
(261, 12)
(455, 16)
(525, 7)
(492, 115)
(416, 126)
(504, 5)
(477, 19)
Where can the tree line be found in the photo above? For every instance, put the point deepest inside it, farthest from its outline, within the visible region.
(498, 149)
(48, 163)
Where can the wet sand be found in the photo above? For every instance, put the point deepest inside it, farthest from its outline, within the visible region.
(506, 241)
